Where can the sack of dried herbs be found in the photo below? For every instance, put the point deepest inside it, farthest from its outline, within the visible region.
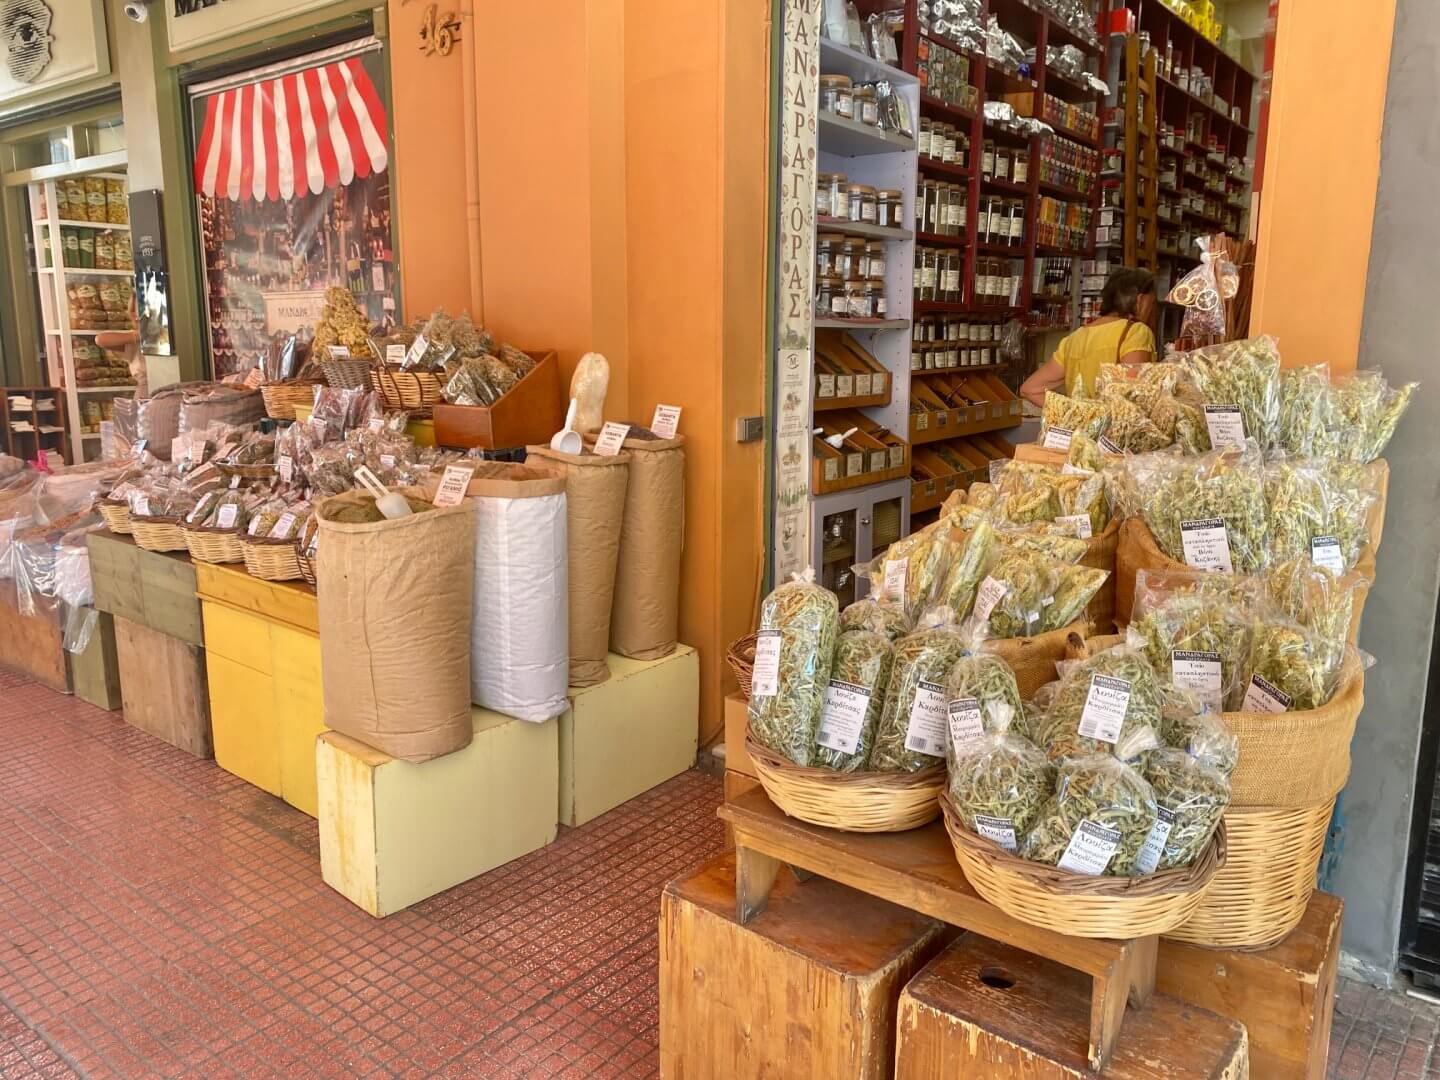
(911, 570)
(853, 699)
(1362, 414)
(1044, 538)
(1101, 814)
(1243, 376)
(1099, 702)
(1353, 489)
(1319, 600)
(1196, 640)
(1304, 397)
(967, 568)
(1206, 511)
(983, 698)
(1063, 417)
(913, 729)
(885, 618)
(1297, 506)
(1025, 593)
(1287, 669)
(1191, 795)
(794, 650)
(998, 783)
(1204, 735)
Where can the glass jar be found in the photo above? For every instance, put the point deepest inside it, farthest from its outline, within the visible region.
(934, 189)
(875, 259)
(1002, 163)
(987, 159)
(858, 300)
(890, 207)
(827, 253)
(1020, 168)
(863, 203)
(962, 150)
(867, 107)
(947, 148)
(837, 95)
(853, 258)
(950, 277)
(877, 296)
(927, 274)
(917, 359)
(825, 188)
(829, 296)
(1015, 234)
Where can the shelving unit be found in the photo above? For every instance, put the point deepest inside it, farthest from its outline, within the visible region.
(47, 425)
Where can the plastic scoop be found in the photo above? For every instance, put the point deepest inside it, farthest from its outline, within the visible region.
(390, 503)
(567, 439)
(837, 441)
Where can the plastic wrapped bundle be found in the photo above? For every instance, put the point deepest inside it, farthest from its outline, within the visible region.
(1287, 669)
(1363, 412)
(1352, 491)
(999, 785)
(1208, 511)
(983, 698)
(1297, 505)
(853, 700)
(1100, 702)
(1322, 601)
(1303, 400)
(911, 570)
(1191, 795)
(1243, 375)
(794, 651)
(873, 615)
(1025, 593)
(1064, 417)
(1046, 538)
(912, 733)
(967, 568)
(1199, 641)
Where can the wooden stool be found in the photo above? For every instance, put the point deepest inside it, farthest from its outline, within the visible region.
(807, 989)
(982, 1010)
(1285, 995)
(162, 681)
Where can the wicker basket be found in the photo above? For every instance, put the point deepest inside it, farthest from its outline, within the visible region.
(247, 472)
(1092, 907)
(865, 802)
(270, 560)
(116, 514)
(302, 541)
(213, 545)
(741, 657)
(157, 533)
(407, 390)
(1261, 892)
(281, 398)
(346, 374)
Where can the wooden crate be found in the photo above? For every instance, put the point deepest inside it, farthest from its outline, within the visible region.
(164, 688)
(986, 1011)
(95, 671)
(737, 719)
(152, 588)
(736, 784)
(33, 645)
(1285, 996)
(528, 415)
(807, 990)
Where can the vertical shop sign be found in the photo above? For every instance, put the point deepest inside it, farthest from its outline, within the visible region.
(799, 87)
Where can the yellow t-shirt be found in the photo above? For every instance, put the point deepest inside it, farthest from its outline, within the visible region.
(1086, 349)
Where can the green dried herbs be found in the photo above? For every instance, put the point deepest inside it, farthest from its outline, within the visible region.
(1319, 600)
(881, 618)
(983, 698)
(1063, 417)
(853, 700)
(1208, 511)
(1353, 490)
(794, 651)
(1304, 395)
(1297, 505)
(1100, 702)
(999, 785)
(966, 569)
(1026, 593)
(1198, 641)
(1245, 374)
(912, 731)
(1285, 670)
(1190, 798)
(910, 570)
(1046, 539)
(1363, 414)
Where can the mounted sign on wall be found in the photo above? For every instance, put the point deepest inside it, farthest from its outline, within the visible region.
(199, 22)
(49, 44)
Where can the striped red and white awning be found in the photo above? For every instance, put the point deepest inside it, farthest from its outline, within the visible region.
(302, 132)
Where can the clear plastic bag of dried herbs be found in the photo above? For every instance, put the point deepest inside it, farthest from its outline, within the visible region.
(1100, 702)
(853, 700)
(913, 729)
(1287, 669)
(794, 651)
(910, 571)
(1319, 600)
(1194, 639)
(1298, 500)
(1244, 375)
(983, 698)
(1361, 415)
(880, 617)
(999, 785)
(1190, 798)
(1063, 417)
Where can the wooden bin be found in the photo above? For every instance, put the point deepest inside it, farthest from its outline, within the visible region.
(527, 416)
(163, 687)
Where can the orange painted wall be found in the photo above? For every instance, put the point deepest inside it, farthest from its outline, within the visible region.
(1322, 161)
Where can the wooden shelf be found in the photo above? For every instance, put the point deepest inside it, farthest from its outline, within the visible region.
(934, 106)
(941, 239)
(961, 370)
(861, 324)
(1090, 141)
(940, 168)
(89, 271)
(1062, 192)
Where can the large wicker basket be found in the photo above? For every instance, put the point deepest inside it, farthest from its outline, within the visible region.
(157, 533)
(116, 514)
(213, 545)
(1261, 892)
(270, 560)
(281, 398)
(865, 802)
(407, 390)
(741, 658)
(346, 374)
(1095, 907)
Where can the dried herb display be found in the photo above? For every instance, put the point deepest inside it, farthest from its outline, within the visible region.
(999, 785)
(1244, 374)
(1190, 797)
(1142, 384)
(1285, 670)
(1026, 593)
(1319, 600)
(1206, 511)
(1100, 702)
(912, 730)
(1204, 735)
(881, 618)
(966, 569)
(1131, 427)
(1363, 412)
(1085, 454)
(1297, 505)
(1045, 538)
(911, 570)
(794, 650)
(1303, 400)
(1063, 417)
(853, 700)
(983, 698)
(1353, 490)
(1199, 642)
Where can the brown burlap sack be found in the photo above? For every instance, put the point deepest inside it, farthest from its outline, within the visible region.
(1101, 555)
(1136, 550)
(394, 606)
(1033, 659)
(595, 510)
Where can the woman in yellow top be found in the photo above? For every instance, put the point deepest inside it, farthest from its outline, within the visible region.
(1120, 334)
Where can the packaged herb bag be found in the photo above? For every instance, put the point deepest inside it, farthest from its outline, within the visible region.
(882, 618)
(967, 568)
(1297, 508)
(1142, 384)
(998, 786)
(1203, 735)
(1131, 428)
(980, 495)
(1063, 417)
(1085, 454)
(1025, 593)
(1352, 490)
(794, 649)
(1207, 512)
(853, 700)
(1319, 600)
(911, 570)
(1193, 640)
(1286, 669)
(1362, 415)
(1100, 702)
(913, 729)
(1191, 794)
(1240, 383)
(1101, 815)
(983, 698)
(1044, 538)
(1304, 395)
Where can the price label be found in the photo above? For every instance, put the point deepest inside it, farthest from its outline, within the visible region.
(825, 386)
(285, 466)
(1078, 524)
(387, 460)
(1325, 551)
(666, 421)
(395, 354)
(1264, 696)
(965, 723)
(1075, 470)
(1226, 425)
(1058, 438)
(1106, 704)
(612, 438)
(926, 731)
(998, 829)
(284, 526)
(339, 352)
(227, 515)
(1091, 848)
(417, 351)
(377, 423)
(142, 506)
(453, 484)
(139, 447)
(377, 277)
(842, 717)
(1109, 446)
(179, 447)
(254, 377)
(1200, 672)
(990, 593)
(1154, 847)
(1206, 544)
(765, 675)
(895, 571)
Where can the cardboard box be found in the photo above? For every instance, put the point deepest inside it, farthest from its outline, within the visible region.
(737, 719)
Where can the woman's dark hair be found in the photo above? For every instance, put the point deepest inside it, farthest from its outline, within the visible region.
(1123, 289)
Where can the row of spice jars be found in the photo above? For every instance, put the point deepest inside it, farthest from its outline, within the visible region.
(837, 198)
(1001, 221)
(937, 274)
(940, 208)
(954, 329)
(943, 142)
(838, 298)
(842, 96)
(849, 257)
(997, 282)
(998, 162)
(941, 355)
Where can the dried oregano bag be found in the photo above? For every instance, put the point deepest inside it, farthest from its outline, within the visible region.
(1197, 641)
(1287, 669)
(1303, 400)
(853, 700)
(1297, 505)
(1352, 490)
(1362, 413)
(913, 729)
(1240, 382)
(1319, 600)
(1064, 417)
(1101, 814)
(999, 784)
(794, 649)
(1208, 511)
(983, 698)
(871, 614)
(1100, 701)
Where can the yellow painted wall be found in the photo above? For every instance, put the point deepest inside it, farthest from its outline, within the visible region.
(1322, 161)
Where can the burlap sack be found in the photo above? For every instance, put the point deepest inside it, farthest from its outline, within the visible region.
(1033, 659)
(395, 606)
(1101, 555)
(644, 624)
(1135, 551)
(594, 509)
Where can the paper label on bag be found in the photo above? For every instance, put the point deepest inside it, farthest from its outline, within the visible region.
(1206, 544)
(388, 303)
(1090, 850)
(894, 586)
(1325, 551)
(417, 350)
(612, 438)
(665, 421)
(227, 515)
(862, 385)
(376, 424)
(395, 354)
(897, 456)
(1078, 524)
(254, 378)
(990, 593)
(142, 506)
(1227, 426)
(283, 527)
(179, 447)
(1154, 846)
(825, 386)
(339, 352)
(765, 675)
(285, 466)
(453, 483)
(1109, 446)
(1105, 706)
(999, 829)
(139, 447)
(1264, 696)
(1058, 438)
(234, 482)
(926, 733)
(1198, 671)
(965, 723)
(842, 717)
(1075, 470)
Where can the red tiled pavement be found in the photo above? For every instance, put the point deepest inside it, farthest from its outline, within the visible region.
(159, 917)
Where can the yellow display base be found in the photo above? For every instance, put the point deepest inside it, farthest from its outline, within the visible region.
(393, 832)
(633, 731)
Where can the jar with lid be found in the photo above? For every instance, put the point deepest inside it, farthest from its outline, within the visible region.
(1002, 163)
(837, 95)
(951, 282)
(917, 358)
(875, 259)
(827, 253)
(890, 207)
(927, 273)
(877, 296)
(987, 159)
(853, 258)
(830, 296)
(858, 300)
(867, 107)
(1015, 232)
(824, 194)
(947, 147)
(863, 203)
(922, 137)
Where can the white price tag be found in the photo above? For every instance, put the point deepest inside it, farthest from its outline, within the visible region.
(139, 447)
(179, 447)
(1090, 850)
(1200, 672)
(388, 303)
(825, 385)
(965, 723)
(1264, 696)
(894, 586)
(376, 424)
(1079, 524)
(665, 421)
(612, 438)
(1325, 551)
(285, 466)
(1000, 830)
(395, 354)
(142, 506)
(387, 461)
(926, 732)
(842, 717)
(1109, 446)
(339, 352)
(234, 482)
(765, 675)
(227, 515)
(1206, 544)
(453, 483)
(1105, 706)
(417, 351)
(1075, 470)
(1154, 846)
(1058, 438)
(284, 527)
(377, 277)
(990, 593)
(1226, 425)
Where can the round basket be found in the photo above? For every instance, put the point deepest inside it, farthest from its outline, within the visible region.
(741, 658)
(247, 472)
(865, 802)
(270, 560)
(1093, 907)
(346, 374)
(1261, 892)
(213, 545)
(407, 390)
(116, 513)
(302, 541)
(281, 398)
(157, 533)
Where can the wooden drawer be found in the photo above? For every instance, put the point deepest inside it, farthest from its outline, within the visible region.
(243, 721)
(238, 636)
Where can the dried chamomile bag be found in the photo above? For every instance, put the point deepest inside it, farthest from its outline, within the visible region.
(998, 784)
(1207, 512)
(1198, 641)
(794, 650)
(1191, 795)
(1101, 700)
(853, 700)
(983, 697)
(1101, 814)
(880, 617)
(1063, 417)
(914, 725)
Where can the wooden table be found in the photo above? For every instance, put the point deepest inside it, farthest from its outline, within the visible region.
(917, 869)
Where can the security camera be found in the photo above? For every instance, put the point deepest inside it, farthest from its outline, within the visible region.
(138, 10)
